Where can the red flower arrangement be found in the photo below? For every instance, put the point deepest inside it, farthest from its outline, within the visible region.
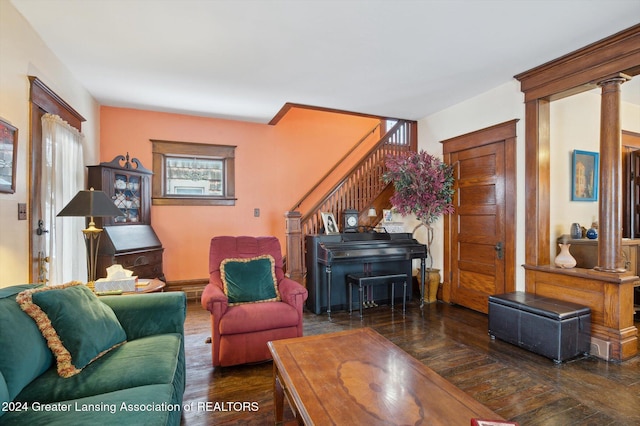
(423, 187)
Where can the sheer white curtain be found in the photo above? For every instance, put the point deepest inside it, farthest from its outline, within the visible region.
(62, 177)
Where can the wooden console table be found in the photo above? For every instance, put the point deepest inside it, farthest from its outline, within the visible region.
(359, 377)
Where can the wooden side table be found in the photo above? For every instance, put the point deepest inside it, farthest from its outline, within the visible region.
(145, 285)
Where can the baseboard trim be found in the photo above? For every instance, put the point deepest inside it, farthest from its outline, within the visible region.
(192, 288)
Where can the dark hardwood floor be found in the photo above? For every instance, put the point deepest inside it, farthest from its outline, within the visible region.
(451, 340)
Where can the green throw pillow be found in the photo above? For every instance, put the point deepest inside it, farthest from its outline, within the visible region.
(24, 354)
(77, 326)
(250, 280)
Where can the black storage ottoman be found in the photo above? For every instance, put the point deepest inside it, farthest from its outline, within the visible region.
(549, 327)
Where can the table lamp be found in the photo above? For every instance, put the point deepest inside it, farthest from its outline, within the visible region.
(90, 203)
(373, 214)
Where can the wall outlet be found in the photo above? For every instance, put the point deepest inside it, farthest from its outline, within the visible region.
(600, 348)
(22, 211)
(256, 212)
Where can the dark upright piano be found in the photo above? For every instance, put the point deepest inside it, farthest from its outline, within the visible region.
(329, 258)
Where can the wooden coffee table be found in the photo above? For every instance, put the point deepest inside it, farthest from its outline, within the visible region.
(359, 377)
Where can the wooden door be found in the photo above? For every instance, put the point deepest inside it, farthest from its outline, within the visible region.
(480, 241)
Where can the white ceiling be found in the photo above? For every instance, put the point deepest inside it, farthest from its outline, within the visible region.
(244, 59)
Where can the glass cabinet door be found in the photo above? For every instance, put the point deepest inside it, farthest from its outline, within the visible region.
(127, 197)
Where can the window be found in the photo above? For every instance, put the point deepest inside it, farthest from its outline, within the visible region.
(186, 173)
(194, 176)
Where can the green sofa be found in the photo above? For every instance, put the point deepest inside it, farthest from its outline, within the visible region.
(139, 382)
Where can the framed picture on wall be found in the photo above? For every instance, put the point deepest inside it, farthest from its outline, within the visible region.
(8, 153)
(329, 222)
(584, 176)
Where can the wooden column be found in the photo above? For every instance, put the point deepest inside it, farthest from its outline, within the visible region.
(610, 200)
(295, 267)
(537, 182)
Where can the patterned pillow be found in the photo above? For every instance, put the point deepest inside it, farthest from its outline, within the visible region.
(77, 326)
(250, 280)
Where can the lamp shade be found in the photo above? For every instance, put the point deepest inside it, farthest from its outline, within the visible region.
(372, 212)
(91, 203)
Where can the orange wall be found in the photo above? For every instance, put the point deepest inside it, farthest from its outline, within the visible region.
(275, 166)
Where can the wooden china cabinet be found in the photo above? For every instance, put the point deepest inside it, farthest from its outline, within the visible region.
(128, 240)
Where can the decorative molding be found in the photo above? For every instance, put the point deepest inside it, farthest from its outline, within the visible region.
(288, 106)
(50, 102)
(578, 71)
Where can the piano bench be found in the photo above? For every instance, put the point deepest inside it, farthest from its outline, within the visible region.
(376, 278)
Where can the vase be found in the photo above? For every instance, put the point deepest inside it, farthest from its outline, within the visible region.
(576, 231)
(432, 278)
(564, 258)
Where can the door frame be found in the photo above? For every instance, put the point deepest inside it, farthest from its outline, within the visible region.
(503, 132)
(630, 148)
(42, 100)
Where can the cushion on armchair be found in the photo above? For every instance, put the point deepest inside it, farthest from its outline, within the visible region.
(249, 280)
(77, 326)
(258, 317)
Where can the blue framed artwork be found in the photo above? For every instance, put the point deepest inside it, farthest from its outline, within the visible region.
(584, 176)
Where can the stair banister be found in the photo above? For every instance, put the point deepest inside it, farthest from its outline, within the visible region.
(335, 166)
(360, 187)
(313, 210)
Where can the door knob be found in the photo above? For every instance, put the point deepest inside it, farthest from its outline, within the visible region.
(41, 229)
(498, 248)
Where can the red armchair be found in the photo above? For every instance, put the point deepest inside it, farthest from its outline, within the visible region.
(239, 333)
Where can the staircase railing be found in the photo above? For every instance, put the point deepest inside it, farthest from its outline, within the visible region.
(357, 189)
(335, 167)
(363, 182)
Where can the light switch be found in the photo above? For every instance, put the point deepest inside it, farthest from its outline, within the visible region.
(22, 211)
(256, 212)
